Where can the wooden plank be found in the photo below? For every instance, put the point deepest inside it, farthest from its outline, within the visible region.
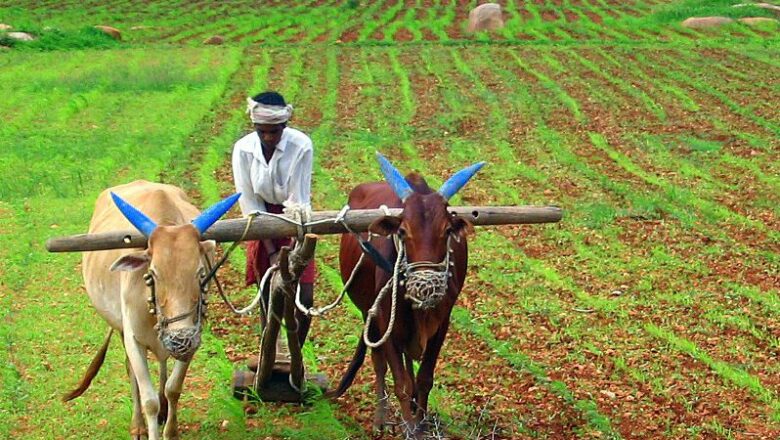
(272, 227)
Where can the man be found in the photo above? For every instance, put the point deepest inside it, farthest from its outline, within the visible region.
(271, 166)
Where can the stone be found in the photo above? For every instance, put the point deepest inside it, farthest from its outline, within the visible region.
(215, 40)
(5, 27)
(140, 28)
(485, 17)
(21, 36)
(757, 21)
(705, 22)
(111, 32)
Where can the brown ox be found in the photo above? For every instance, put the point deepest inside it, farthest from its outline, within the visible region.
(155, 298)
(431, 282)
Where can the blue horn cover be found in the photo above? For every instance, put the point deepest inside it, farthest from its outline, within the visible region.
(393, 177)
(215, 211)
(144, 224)
(459, 180)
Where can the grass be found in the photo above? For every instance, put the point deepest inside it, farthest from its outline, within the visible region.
(681, 10)
(66, 206)
(644, 131)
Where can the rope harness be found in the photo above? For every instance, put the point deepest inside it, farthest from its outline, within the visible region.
(425, 288)
(179, 342)
(426, 282)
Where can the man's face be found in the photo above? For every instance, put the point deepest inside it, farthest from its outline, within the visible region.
(270, 134)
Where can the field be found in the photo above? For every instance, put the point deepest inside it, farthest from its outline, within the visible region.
(651, 311)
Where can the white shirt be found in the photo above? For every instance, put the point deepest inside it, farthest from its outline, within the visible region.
(286, 178)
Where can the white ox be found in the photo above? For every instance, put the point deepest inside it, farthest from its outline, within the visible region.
(155, 298)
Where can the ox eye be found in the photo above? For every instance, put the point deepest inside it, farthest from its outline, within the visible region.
(402, 233)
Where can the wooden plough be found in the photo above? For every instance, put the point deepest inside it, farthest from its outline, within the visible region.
(279, 373)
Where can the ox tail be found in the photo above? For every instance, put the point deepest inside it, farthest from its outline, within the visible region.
(92, 371)
(349, 376)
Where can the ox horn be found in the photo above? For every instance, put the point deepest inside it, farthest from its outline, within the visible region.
(215, 211)
(459, 180)
(144, 224)
(393, 177)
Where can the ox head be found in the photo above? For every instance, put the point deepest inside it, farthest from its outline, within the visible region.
(174, 261)
(426, 229)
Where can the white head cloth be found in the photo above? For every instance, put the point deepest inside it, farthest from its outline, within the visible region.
(268, 114)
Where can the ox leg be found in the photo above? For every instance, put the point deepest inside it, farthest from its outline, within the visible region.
(404, 387)
(173, 389)
(408, 361)
(150, 402)
(380, 369)
(137, 426)
(427, 367)
(162, 416)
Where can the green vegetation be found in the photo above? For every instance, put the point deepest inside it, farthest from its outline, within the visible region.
(683, 9)
(650, 311)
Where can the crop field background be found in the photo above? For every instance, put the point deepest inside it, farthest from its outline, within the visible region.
(651, 311)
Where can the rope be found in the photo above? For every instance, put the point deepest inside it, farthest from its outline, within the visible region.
(321, 311)
(314, 311)
(213, 271)
(301, 215)
(374, 310)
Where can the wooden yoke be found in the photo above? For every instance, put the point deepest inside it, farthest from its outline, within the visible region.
(283, 288)
(321, 223)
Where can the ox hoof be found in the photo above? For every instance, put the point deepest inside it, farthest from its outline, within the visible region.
(139, 434)
(380, 422)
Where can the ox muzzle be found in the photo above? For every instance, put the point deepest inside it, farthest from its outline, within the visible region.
(426, 282)
(181, 342)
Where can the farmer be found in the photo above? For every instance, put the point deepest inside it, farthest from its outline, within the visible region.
(273, 166)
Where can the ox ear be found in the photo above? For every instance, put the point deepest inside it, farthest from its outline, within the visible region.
(460, 226)
(208, 247)
(131, 262)
(385, 226)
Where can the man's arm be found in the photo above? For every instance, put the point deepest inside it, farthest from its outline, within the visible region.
(300, 183)
(248, 202)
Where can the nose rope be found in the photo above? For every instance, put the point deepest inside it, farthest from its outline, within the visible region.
(162, 321)
(431, 285)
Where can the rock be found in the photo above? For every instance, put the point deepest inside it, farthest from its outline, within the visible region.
(769, 6)
(140, 28)
(5, 27)
(215, 40)
(484, 17)
(21, 36)
(757, 21)
(111, 32)
(705, 22)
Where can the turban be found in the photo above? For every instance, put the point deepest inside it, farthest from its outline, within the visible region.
(268, 114)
